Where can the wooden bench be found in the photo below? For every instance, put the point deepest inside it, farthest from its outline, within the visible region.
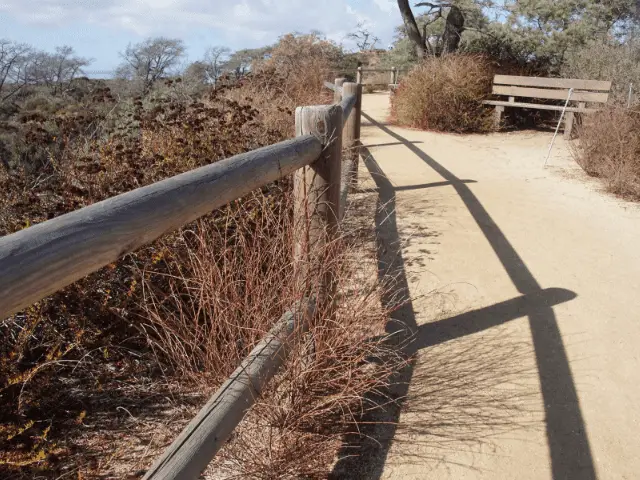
(584, 91)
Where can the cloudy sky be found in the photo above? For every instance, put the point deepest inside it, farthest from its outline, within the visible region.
(99, 29)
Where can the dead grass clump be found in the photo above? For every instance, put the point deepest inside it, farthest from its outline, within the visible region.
(224, 282)
(292, 76)
(336, 374)
(609, 148)
(445, 94)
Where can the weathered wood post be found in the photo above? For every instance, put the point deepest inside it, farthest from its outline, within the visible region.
(337, 93)
(568, 125)
(393, 76)
(350, 135)
(358, 111)
(359, 75)
(569, 120)
(317, 198)
(497, 117)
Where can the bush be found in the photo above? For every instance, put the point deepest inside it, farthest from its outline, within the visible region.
(607, 61)
(292, 76)
(609, 148)
(445, 94)
(98, 334)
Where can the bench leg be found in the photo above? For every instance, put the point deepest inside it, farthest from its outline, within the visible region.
(497, 117)
(568, 125)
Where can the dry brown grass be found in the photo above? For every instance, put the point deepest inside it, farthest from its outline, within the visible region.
(96, 379)
(445, 94)
(327, 384)
(292, 76)
(74, 364)
(609, 148)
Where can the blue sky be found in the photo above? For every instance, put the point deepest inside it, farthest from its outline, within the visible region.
(99, 29)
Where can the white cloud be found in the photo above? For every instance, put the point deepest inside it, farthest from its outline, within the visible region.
(253, 20)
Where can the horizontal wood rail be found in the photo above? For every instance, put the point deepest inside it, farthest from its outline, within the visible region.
(544, 82)
(42, 259)
(201, 439)
(347, 105)
(538, 106)
(393, 74)
(549, 94)
(334, 87)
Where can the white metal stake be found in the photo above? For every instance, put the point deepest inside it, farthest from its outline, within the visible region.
(630, 95)
(558, 127)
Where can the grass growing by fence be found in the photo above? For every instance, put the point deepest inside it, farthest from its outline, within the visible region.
(98, 378)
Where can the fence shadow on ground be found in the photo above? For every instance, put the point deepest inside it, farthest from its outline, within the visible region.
(364, 455)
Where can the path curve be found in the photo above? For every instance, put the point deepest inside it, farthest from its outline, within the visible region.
(525, 289)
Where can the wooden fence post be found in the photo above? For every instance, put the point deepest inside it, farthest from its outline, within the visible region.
(359, 75)
(337, 94)
(317, 197)
(393, 76)
(350, 135)
(357, 111)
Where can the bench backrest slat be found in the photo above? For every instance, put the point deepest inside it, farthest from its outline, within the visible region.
(565, 83)
(551, 94)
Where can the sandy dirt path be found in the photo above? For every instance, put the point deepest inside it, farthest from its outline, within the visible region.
(525, 285)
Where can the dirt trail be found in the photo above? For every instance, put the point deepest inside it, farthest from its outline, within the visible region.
(525, 284)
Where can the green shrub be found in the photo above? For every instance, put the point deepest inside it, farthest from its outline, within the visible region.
(445, 94)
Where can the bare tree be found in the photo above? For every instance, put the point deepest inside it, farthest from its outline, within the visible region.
(56, 70)
(150, 60)
(196, 73)
(454, 26)
(241, 61)
(454, 23)
(365, 40)
(413, 32)
(14, 58)
(215, 59)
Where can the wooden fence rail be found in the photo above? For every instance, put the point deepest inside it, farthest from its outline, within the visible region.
(40, 260)
(43, 259)
(198, 443)
(394, 73)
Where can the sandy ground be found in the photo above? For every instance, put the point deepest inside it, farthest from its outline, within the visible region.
(525, 285)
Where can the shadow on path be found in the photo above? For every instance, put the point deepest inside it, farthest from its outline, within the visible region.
(421, 186)
(568, 444)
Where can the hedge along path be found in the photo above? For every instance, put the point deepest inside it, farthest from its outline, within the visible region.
(526, 341)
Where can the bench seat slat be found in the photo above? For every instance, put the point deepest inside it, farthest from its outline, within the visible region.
(556, 94)
(558, 108)
(565, 83)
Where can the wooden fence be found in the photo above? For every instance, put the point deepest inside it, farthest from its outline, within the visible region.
(394, 74)
(40, 260)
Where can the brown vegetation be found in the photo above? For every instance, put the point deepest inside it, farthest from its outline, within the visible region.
(97, 378)
(609, 148)
(445, 94)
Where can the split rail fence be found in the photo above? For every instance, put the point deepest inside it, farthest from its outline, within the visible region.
(40, 260)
